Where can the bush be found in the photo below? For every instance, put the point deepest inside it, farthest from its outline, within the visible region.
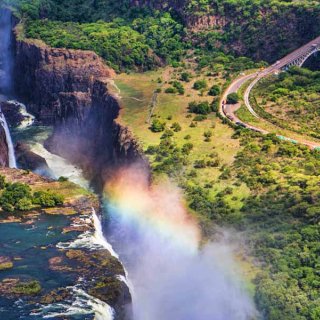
(157, 126)
(232, 98)
(214, 90)
(176, 127)
(24, 204)
(12, 194)
(185, 76)
(200, 164)
(179, 87)
(200, 117)
(2, 182)
(200, 85)
(63, 179)
(27, 288)
(200, 108)
(187, 147)
(170, 90)
(47, 199)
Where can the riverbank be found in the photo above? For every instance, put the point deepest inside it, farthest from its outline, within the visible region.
(52, 258)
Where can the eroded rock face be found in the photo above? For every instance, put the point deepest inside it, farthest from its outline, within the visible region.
(29, 160)
(69, 89)
(56, 83)
(4, 153)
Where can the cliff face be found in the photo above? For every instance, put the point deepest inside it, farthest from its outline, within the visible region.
(56, 83)
(256, 30)
(4, 153)
(69, 89)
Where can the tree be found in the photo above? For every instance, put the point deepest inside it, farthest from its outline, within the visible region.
(185, 76)
(233, 98)
(157, 126)
(200, 108)
(200, 84)
(176, 127)
(214, 90)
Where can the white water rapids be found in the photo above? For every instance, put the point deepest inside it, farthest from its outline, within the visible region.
(81, 303)
(12, 158)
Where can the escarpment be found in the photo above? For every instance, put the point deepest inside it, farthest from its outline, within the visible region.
(69, 89)
(4, 152)
(257, 30)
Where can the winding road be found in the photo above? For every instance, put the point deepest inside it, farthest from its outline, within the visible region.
(297, 57)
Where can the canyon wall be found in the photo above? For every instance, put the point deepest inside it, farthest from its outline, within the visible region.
(250, 29)
(69, 89)
(4, 152)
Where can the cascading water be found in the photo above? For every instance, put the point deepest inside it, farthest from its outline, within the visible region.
(174, 277)
(12, 158)
(5, 52)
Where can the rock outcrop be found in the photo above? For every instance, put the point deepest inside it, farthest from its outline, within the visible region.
(29, 160)
(56, 83)
(70, 90)
(4, 152)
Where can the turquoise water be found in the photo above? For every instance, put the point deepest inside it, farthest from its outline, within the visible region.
(26, 243)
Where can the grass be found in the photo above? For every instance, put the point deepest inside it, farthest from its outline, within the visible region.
(136, 93)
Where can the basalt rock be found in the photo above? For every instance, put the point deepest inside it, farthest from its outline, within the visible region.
(4, 153)
(29, 160)
(70, 90)
(56, 83)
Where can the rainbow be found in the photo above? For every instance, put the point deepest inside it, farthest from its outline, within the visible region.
(158, 209)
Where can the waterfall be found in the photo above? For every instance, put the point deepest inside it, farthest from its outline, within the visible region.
(5, 52)
(12, 158)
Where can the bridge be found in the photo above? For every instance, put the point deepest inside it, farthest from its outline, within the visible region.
(295, 58)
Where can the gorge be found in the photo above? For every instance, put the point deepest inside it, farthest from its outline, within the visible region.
(167, 158)
(150, 227)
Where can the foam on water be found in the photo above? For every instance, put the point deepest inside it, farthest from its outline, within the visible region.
(12, 158)
(80, 303)
(59, 166)
(28, 119)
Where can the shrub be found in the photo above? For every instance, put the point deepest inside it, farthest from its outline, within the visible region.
(199, 164)
(176, 127)
(232, 98)
(152, 150)
(12, 194)
(63, 179)
(2, 182)
(171, 90)
(167, 133)
(179, 87)
(47, 199)
(214, 90)
(200, 108)
(200, 84)
(200, 117)
(24, 204)
(185, 76)
(27, 288)
(187, 147)
(157, 126)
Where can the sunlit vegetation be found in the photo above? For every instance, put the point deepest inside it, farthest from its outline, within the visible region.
(19, 197)
(292, 100)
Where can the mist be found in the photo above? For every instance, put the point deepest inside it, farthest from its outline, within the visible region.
(5, 52)
(172, 276)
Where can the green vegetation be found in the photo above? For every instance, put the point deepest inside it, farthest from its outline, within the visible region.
(266, 188)
(291, 100)
(27, 288)
(201, 108)
(233, 98)
(19, 197)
